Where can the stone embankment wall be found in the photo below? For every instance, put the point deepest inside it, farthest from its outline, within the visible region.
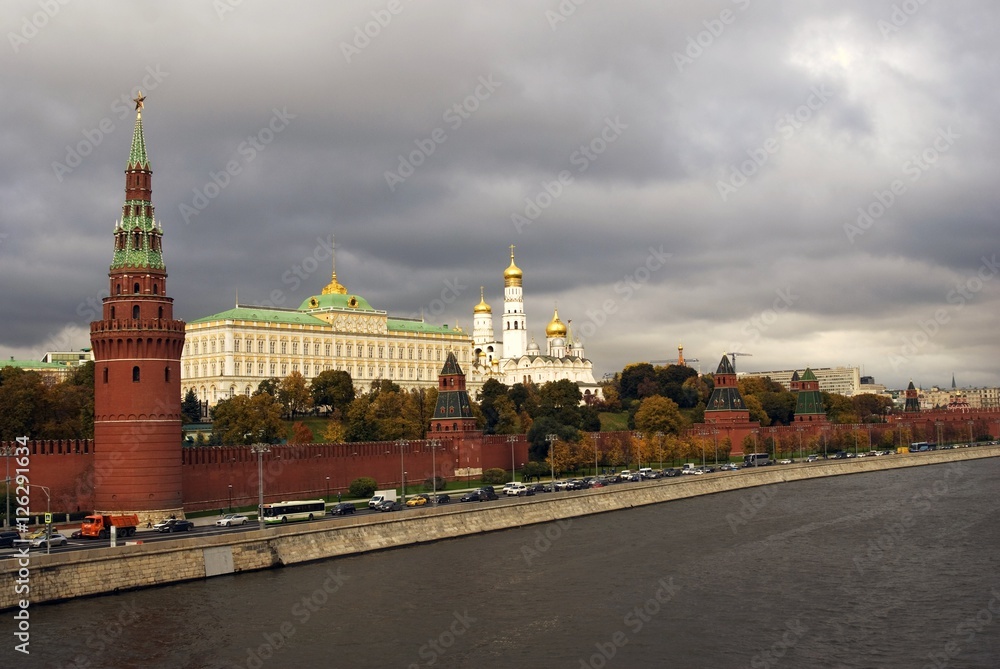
(90, 572)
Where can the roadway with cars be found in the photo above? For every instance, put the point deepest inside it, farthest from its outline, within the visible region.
(206, 526)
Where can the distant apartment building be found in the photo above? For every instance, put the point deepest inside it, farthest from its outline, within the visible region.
(839, 380)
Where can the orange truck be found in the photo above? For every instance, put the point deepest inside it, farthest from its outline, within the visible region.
(100, 526)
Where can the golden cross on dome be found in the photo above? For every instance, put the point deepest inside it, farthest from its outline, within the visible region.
(511, 251)
(138, 100)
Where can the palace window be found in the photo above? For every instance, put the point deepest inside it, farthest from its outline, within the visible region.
(260, 369)
(260, 345)
(339, 347)
(381, 351)
(371, 351)
(284, 347)
(316, 349)
(270, 347)
(295, 348)
(273, 368)
(348, 350)
(236, 368)
(213, 346)
(326, 350)
(284, 369)
(236, 346)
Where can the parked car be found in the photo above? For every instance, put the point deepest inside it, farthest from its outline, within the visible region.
(418, 500)
(57, 540)
(342, 509)
(176, 525)
(389, 505)
(231, 519)
(7, 538)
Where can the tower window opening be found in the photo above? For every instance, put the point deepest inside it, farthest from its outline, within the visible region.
(118, 289)
(105, 374)
(135, 311)
(135, 374)
(166, 374)
(135, 287)
(112, 313)
(156, 289)
(160, 310)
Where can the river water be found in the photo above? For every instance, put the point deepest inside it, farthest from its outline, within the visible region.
(899, 568)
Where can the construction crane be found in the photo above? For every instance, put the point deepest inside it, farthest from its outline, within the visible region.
(733, 354)
(681, 360)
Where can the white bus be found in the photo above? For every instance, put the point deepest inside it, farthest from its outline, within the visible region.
(756, 460)
(282, 512)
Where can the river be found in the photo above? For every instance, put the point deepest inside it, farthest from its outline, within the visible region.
(897, 568)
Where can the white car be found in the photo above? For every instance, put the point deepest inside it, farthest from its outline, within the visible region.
(231, 519)
(57, 540)
(515, 489)
(786, 461)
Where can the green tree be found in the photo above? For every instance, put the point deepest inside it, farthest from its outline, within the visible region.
(333, 389)
(756, 410)
(22, 404)
(538, 448)
(637, 380)
(247, 420)
(362, 487)
(495, 476)
(190, 407)
(507, 420)
(268, 386)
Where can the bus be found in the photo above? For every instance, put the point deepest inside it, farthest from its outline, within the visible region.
(921, 446)
(282, 512)
(756, 460)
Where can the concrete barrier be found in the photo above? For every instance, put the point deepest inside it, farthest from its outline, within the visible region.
(82, 573)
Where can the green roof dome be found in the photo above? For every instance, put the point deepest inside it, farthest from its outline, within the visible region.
(336, 301)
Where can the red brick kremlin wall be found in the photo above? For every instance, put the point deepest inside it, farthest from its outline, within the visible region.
(300, 471)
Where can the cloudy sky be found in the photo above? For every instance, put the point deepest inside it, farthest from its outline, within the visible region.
(812, 182)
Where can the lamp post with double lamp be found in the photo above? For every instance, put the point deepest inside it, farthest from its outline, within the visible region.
(552, 438)
(638, 449)
(402, 468)
(715, 433)
(7, 452)
(230, 498)
(260, 450)
(327, 488)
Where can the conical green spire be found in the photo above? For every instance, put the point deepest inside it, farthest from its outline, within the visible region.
(137, 156)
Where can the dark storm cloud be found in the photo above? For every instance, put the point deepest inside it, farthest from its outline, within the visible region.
(754, 145)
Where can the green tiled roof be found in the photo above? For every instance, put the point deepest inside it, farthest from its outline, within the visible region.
(404, 325)
(336, 301)
(137, 156)
(262, 314)
(32, 364)
(725, 399)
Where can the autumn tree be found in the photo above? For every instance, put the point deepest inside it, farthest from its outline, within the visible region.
(301, 434)
(659, 414)
(293, 394)
(247, 420)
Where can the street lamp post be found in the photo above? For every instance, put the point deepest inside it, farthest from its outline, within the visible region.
(513, 470)
(402, 444)
(230, 498)
(48, 515)
(327, 488)
(659, 448)
(260, 450)
(434, 443)
(715, 433)
(551, 438)
(638, 450)
(6, 518)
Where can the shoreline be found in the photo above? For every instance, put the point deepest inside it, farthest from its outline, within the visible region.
(63, 576)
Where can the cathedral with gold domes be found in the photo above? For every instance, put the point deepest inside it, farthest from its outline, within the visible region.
(516, 359)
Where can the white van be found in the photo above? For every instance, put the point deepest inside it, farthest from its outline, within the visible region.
(514, 488)
(645, 472)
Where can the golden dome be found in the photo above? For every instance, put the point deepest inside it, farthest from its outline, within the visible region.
(482, 307)
(555, 328)
(512, 275)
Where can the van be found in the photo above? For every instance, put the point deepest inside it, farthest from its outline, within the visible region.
(625, 475)
(646, 472)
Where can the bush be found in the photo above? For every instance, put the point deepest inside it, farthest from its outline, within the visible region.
(436, 483)
(362, 487)
(495, 476)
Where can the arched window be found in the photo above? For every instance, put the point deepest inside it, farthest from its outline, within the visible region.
(515, 325)
(135, 287)
(159, 311)
(156, 289)
(105, 375)
(112, 313)
(135, 312)
(135, 374)
(118, 289)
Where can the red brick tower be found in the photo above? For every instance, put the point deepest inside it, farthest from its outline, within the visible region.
(137, 351)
